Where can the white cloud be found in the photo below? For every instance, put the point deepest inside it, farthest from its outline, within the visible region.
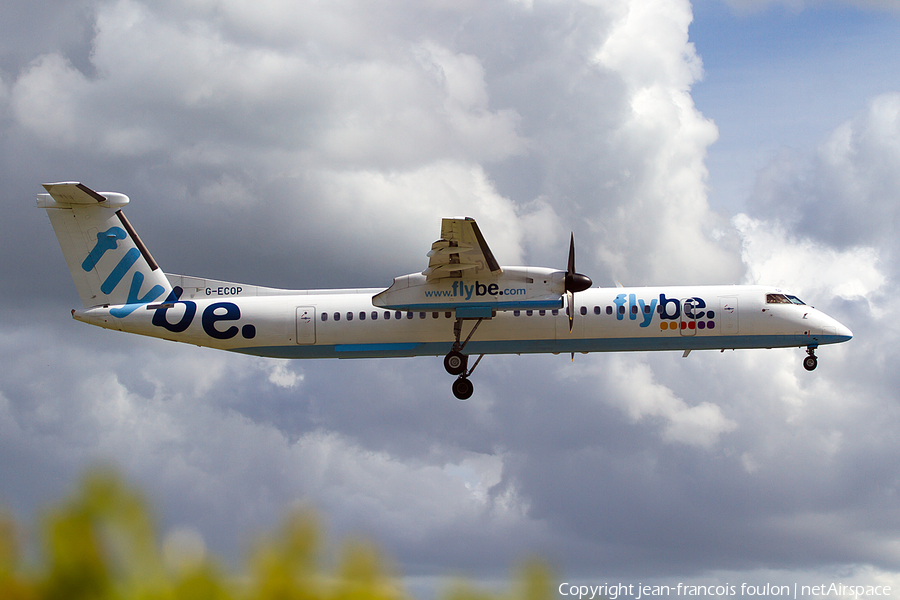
(282, 375)
(633, 389)
(659, 146)
(845, 195)
(364, 205)
(774, 257)
(46, 101)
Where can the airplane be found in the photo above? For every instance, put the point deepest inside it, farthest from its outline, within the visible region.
(462, 304)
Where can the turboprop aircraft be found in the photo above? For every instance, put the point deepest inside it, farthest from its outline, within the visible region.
(464, 303)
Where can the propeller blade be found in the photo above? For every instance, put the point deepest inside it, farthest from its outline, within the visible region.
(571, 269)
(575, 282)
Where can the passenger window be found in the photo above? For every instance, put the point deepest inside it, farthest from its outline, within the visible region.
(609, 310)
(408, 315)
(349, 316)
(622, 309)
(647, 309)
(516, 313)
(398, 315)
(556, 312)
(374, 315)
(529, 313)
(362, 315)
(634, 310)
(584, 310)
(421, 315)
(448, 314)
(434, 315)
(324, 316)
(337, 316)
(542, 312)
(387, 315)
(596, 310)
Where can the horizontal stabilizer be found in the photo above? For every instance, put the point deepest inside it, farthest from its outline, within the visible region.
(69, 193)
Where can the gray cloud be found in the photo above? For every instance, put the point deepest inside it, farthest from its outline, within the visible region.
(319, 145)
(848, 195)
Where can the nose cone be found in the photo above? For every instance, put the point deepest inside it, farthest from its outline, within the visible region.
(833, 331)
(843, 333)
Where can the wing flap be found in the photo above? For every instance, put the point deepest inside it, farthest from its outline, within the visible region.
(461, 252)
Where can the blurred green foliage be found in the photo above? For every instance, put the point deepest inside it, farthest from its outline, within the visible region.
(101, 545)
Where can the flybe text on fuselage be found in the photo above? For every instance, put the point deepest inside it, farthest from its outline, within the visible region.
(693, 310)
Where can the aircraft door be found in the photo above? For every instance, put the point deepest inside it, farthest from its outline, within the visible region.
(688, 325)
(306, 325)
(728, 315)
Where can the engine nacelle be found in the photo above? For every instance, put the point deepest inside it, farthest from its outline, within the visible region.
(515, 288)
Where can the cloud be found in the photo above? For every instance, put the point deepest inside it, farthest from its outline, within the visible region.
(312, 145)
(231, 115)
(662, 206)
(809, 267)
(634, 391)
(846, 195)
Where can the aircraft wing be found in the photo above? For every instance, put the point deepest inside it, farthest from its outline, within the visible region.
(461, 252)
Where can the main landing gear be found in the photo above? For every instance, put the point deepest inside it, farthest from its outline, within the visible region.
(810, 362)
(456, 363)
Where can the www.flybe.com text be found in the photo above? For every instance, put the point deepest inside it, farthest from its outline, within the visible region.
(612, 591)
(461, 290)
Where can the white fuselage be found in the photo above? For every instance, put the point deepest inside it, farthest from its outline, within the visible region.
(346, 324)
(462, 303)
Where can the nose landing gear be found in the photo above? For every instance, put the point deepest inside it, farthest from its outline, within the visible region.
(810, 362)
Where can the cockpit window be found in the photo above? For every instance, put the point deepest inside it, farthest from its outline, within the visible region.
(783, 299)
(777, 299)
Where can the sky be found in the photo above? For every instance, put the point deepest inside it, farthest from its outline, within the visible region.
(314, 145)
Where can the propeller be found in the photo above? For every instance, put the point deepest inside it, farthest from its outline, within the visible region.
(575, 282)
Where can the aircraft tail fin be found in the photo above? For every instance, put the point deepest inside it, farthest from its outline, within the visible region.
(107, 259)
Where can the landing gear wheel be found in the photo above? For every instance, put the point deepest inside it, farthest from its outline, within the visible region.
(810, 362)
(456, 362)
(463, 388)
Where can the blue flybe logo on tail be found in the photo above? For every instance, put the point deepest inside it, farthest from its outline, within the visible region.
(109, 240)
(215, 313)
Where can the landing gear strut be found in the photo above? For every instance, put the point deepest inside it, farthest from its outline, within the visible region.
(810, 362)
(456, 363)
